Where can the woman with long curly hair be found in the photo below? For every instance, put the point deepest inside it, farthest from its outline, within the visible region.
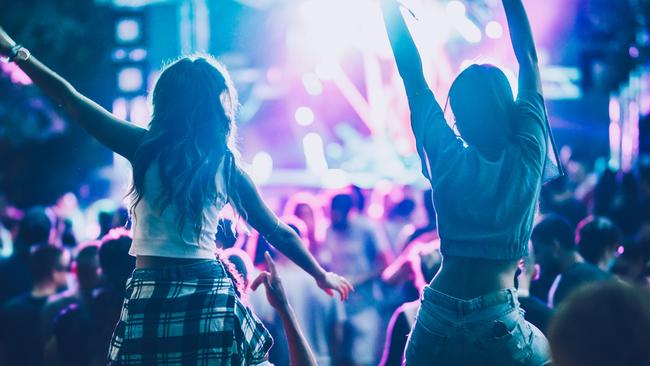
(181, 306)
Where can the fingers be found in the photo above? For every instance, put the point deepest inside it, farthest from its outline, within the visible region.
(259, 280)
(271, 264)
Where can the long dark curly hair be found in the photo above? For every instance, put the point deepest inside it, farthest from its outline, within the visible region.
(191, 135)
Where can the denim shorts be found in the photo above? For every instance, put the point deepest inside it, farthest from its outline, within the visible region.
(488, 330)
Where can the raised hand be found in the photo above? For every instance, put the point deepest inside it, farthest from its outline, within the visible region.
(6, 43)
(275, 293)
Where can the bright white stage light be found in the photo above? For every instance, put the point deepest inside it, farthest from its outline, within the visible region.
(314, 153)
(140, 111)
(262, 167)
(304, 116)
(120, 108)
(456, 9)
(312, 84)
(128, 30)
(130, 79)
(494, 30)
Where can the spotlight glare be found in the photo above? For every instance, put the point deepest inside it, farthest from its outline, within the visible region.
(130, 79)
(494, 30)
(304, 116)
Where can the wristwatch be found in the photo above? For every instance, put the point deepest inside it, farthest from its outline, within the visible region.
(19, 53)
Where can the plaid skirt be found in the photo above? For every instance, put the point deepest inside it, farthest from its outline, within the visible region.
(186, 315)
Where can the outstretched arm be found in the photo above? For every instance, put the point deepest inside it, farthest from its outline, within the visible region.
(281, 236)
(524, 45)
(120, 136)
(406, 53)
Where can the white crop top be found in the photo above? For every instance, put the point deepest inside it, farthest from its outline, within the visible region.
(158, 235)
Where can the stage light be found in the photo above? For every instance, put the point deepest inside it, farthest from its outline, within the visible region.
(128, 30)
(494, 30)
(327, 70)
(314, 153)
(335, 179)
(456, 9)
(304, 116)
(312, 84)
(120, 108)
(262, 167)
(138, 54)
(130, 79)
(140, 111)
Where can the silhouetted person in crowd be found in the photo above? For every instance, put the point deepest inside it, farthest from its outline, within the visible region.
(21, 335)
(549, 234)
(87, 275)
(428, 263)
(431, 225)
(537, 312)
(598, 241)
(558, 198)
(626, 209)
(554, 244)
(34, 228)
(105, 220)
(603, 325)
(320, 316)
(353, 249)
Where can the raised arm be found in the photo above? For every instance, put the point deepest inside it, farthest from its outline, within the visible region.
(524, 45)
(406, 53)
(300, 354)
(119, 136)
(281, 236)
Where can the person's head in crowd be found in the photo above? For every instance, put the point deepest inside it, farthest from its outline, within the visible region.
(49, 266)
(553, 244)
(120, 218)
(556, 197)
(604, 193)
(483, 105)
(630, 264)
(359, 198)
(598, 240)
(341, 206)
(528, 272)
(75, 332)
(114, 260)
(86, 267)
(602, 325)
(34, 228)
(68, 238)
(105, 220)
(402, 210)
(307, 207)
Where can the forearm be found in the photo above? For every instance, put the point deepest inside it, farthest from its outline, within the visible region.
(520, 31)
(116, 134)
(299, 351)
(290, 244)
(51, 83)
(407, 56)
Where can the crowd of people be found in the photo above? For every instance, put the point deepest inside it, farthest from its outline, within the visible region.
(509, 259)
(62, 294)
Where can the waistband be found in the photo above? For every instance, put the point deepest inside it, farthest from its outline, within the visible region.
(462, 307)
(210, 268)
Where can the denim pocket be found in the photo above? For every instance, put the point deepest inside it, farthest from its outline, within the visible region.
(506, 341)
(424, 345)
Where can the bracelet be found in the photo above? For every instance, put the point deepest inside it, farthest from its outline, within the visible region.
(15, 52)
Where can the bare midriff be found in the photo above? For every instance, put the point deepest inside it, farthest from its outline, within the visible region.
(145, 261)
(469, 278)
